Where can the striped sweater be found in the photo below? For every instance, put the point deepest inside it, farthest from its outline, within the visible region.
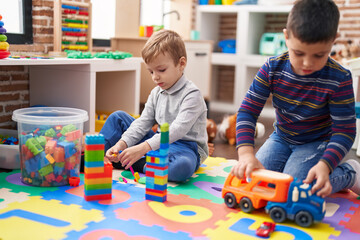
(319, 106)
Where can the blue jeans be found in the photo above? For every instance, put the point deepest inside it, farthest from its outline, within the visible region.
(296, 160)
(184, 158)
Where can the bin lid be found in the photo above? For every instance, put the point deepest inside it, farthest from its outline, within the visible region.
(50, 115)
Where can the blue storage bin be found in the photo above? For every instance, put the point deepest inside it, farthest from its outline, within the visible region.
(228, 46)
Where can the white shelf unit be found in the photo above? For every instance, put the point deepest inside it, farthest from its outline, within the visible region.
(250, 25)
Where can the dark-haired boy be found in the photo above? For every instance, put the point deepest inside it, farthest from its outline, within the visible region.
(314, 102)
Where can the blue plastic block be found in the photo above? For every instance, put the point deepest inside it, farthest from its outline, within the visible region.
(94, 164)
(155, 198)
(94, 139)
(97, 192)
(69, 148)
(74, 172)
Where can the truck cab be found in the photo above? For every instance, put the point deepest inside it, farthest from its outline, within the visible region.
(301, 206)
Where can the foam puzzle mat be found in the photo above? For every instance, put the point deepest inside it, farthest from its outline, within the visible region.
(193, 210)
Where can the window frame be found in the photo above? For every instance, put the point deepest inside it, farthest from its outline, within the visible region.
(27, 36)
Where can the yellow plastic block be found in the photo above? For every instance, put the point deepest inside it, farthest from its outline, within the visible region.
(50, 158)
(94, 170)
(137, 176)
(161, 180)
(97, 181)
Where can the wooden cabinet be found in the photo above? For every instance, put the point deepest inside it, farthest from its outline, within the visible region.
(198, 68)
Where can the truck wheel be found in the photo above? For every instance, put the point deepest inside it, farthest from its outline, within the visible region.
(230, 200)
(303, 219)
(246, 205)
(277, 214)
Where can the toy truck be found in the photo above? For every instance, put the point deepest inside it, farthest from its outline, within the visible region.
(282, 196)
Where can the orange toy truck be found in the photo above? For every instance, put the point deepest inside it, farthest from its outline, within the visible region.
(281, 195)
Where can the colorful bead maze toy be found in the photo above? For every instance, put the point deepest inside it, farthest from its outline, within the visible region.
(4, 46)
(98, 170)
(157, 169)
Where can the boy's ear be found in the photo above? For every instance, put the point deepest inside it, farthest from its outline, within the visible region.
(286, 34)
(182, 62)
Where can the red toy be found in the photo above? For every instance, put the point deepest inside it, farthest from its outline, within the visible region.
(74, 181)
(265, 229)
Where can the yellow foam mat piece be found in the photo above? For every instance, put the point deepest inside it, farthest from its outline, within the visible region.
(319, 231)
(72, 215)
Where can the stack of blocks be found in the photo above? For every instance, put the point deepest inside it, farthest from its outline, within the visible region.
(98, 171)
(157, 169)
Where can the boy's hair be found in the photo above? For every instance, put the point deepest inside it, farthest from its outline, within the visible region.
(161, 42)
(313, 21)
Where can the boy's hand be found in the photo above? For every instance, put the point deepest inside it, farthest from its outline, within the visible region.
(320, 172)
(113, 152)
(247, 162)
(130, 155)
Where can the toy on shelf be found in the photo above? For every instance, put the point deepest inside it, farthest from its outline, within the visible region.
(227, 129)
(282, 196)
(265, 229)
(272, 44)
(4, 46)
(97, 169)
(228, 46)
(72, 26)
(5, 139)
(157, 168)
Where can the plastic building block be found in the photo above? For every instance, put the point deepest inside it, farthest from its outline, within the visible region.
(74, 181)
(157, 169)
(34, 146)
(98, 170)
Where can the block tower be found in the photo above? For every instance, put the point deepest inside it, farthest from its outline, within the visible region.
(98, 170)
(157, 168)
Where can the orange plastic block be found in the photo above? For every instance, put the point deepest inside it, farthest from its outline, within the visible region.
(50, 146)
(59, 154)
(156, 192)
(71, 136)
(106, 173)
(94, 170)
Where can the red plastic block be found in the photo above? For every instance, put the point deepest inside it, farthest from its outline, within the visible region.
(98, 197)
(94, 147)
(74, 181)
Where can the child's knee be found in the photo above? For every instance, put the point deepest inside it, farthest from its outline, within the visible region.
(181, 170)
(118, 114)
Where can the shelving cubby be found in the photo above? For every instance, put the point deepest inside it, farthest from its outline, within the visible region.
(252, 21)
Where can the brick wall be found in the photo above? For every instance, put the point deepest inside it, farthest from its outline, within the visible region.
(14, 80)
